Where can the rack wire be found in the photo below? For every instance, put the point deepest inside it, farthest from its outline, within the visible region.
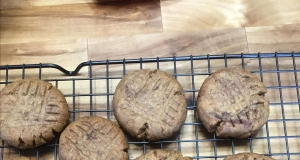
(89, 90)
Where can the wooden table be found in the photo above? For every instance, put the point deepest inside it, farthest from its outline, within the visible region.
(69, 32)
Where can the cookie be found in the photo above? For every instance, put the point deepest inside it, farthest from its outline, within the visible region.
(248, 156)
(232, 103)
(92, 137)
(159, 154)
(31, 111)
(149, 104)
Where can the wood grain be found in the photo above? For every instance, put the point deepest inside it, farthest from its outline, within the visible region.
(67, 54)
(194, 15)
(23, 4)
(281, 38)
(79, 21)
(169, 44)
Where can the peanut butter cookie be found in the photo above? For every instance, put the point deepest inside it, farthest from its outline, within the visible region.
(149, 104)
(248, 156)
(93, 137)
(31, 111)
(232, 103)
(159, 154)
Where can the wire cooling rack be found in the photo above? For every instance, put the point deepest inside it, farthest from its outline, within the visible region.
(89, 90)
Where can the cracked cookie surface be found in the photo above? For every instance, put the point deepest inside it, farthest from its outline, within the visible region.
(149, 104)
(93, 137)
(31, 111)
(160, 154)
(232, 103)
(248, 156)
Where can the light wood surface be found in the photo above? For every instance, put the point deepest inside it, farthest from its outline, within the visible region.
(78, 20)
(194, 15)
(68, 32)
(280, 38)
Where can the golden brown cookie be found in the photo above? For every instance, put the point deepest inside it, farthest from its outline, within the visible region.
(93, 137)
(159, 154)
(248, 156)
(31, 110)
(149, 104)
(232, 103)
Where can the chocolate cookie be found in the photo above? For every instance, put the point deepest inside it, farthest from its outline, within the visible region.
(248, 156)
(232, 103)
(149, 104)
(31, 110)
(92, 138)
(162, 154)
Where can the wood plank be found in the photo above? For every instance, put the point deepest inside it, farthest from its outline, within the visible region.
(79, 21)
(194, 15)
(67, 54)
(10, 4)
(282, 38)
(64, 53)
(168, 44)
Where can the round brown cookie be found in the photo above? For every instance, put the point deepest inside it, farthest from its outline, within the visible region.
(31, 110)
(248, 156)
(232, 103)
(149, 104)
(159, 154)
(93, 138)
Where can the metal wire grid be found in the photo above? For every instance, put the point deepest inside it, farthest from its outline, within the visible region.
(194, 140)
